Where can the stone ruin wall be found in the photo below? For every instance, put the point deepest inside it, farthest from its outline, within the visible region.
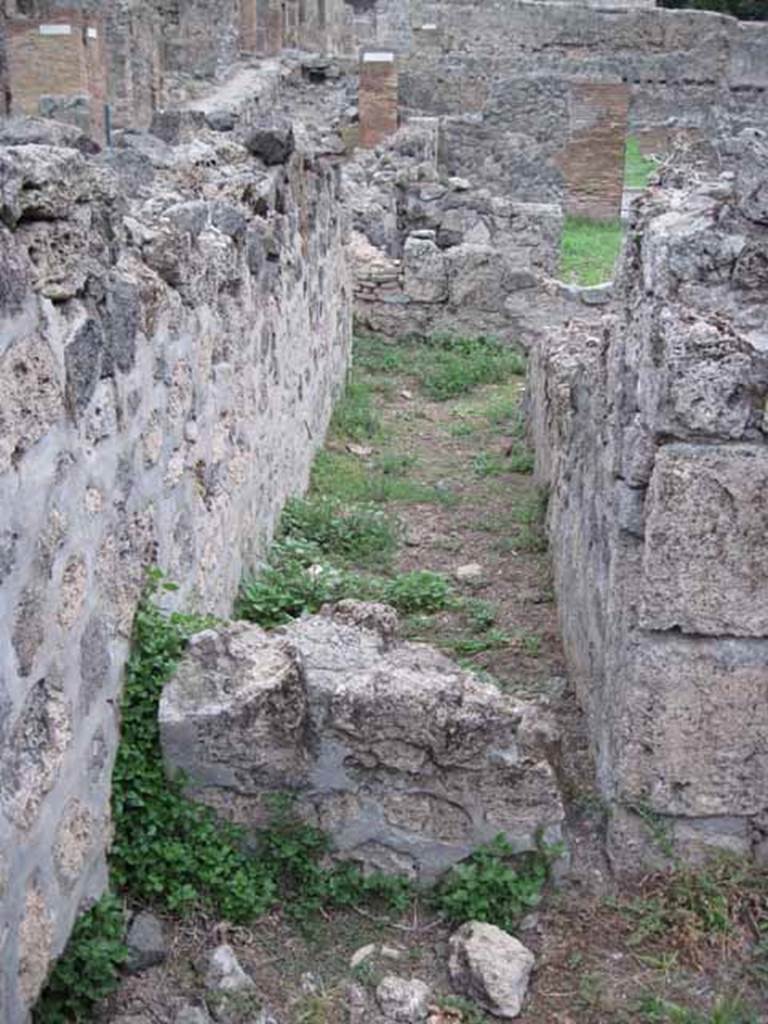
(525, 92)
(432, 254)
(167, 369)
(652, 436)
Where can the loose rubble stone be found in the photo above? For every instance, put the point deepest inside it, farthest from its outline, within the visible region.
(403, 1000)
(490, 967)
(232, 996)
(470, 571)
(407, 761)
(147, 944)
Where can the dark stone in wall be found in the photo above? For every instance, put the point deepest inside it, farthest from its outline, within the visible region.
(13, 274)
(95, 660)
(271, 140)
(123, 309)
(82, 360)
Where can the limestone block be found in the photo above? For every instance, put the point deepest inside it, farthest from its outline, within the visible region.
(79, 834)
(425, 275)
(406, 760)
(63, 255)
(82, 361)
(235, 714)
(15, 273)
(146, 941)
(696, 378)
(490, 967)
(692, 737)
(478, 277)
(43, 131)
(705, 561)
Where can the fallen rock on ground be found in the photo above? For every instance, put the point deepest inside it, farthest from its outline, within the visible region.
(490, 967)
(147, 944)
(232, 996)
(403, 1000)
(406, 760)
(189, 1014)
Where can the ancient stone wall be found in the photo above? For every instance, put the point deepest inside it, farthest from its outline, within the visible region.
(167, 369)
(434, 254)
(653, 439)
(515, 85)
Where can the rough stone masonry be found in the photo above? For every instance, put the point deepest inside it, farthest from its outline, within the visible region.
(652, 435)
(407, 761)
(168, 364)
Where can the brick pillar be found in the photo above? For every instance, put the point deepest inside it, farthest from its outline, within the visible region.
(377, 101)
(593, 160)
(62, 56)
(248, 26)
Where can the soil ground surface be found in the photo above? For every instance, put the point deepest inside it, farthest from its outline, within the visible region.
(678, 947)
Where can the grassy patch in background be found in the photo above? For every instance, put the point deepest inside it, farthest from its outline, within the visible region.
(589, 250)
(444, 366)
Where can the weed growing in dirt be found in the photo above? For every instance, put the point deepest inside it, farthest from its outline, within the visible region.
(418, 591)
(494, 886)
(725, 1011)
(354, 416)
(167, 850)
(348, 533)
(487, 641)
(488, 464)
(344, 478)
(530, 514)
(298, 580)
(462, 1010)
(480, 615)
(520, 459)
(89, 969)
(712, 904)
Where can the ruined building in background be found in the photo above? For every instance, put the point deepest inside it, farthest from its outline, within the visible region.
(176, 315)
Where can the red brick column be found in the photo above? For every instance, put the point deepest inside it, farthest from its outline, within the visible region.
(593, 159)
(61, 55)
(378, 98)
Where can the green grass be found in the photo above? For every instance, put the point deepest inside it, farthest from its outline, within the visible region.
(589, 250)
(637, 168)
(339, 477)
(354, 416)
(443, 366)
(348, 534)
